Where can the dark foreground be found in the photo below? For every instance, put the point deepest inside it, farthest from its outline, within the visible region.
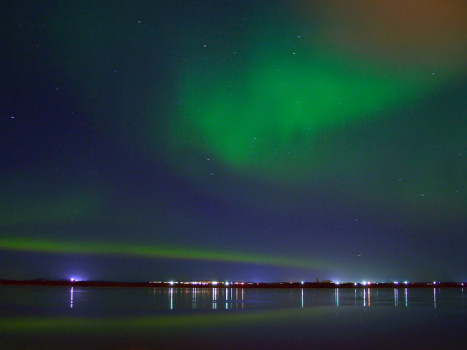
(77, 317)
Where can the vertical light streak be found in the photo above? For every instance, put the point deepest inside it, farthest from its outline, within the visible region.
(243, 298)
(214, 298)
(171, 298)
(193, 304)
(226, 291)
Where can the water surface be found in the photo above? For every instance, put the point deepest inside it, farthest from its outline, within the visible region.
(145, 318)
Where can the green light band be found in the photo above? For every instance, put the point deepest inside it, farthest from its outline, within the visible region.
(148, 251)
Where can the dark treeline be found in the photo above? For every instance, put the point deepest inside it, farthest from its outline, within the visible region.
(68, 283)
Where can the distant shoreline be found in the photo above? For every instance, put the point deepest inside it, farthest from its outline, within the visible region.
(284, 285)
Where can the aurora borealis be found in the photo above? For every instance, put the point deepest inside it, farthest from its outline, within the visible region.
(284, 140)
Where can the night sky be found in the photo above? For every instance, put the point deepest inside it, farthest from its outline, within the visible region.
(233, 140)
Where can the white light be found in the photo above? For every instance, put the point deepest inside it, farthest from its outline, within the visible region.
(171, 283)
(337, 283)
(302, 282)
(434, 282)
(227, 283)
(72, 279)
(406, 282)
(214, 283)
(364, 283)
(396, 283)
(355, 284)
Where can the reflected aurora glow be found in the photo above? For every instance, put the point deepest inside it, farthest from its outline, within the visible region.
(57, 325)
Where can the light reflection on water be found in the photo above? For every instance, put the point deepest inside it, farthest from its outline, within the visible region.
(310, 316)
(241, 298)
(201, 298)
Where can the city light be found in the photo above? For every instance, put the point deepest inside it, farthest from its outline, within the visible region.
(75, 278)
(302, 283)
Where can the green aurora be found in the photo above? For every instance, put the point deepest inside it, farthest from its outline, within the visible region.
(275, 111)
(147, 251)
(294, 129)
